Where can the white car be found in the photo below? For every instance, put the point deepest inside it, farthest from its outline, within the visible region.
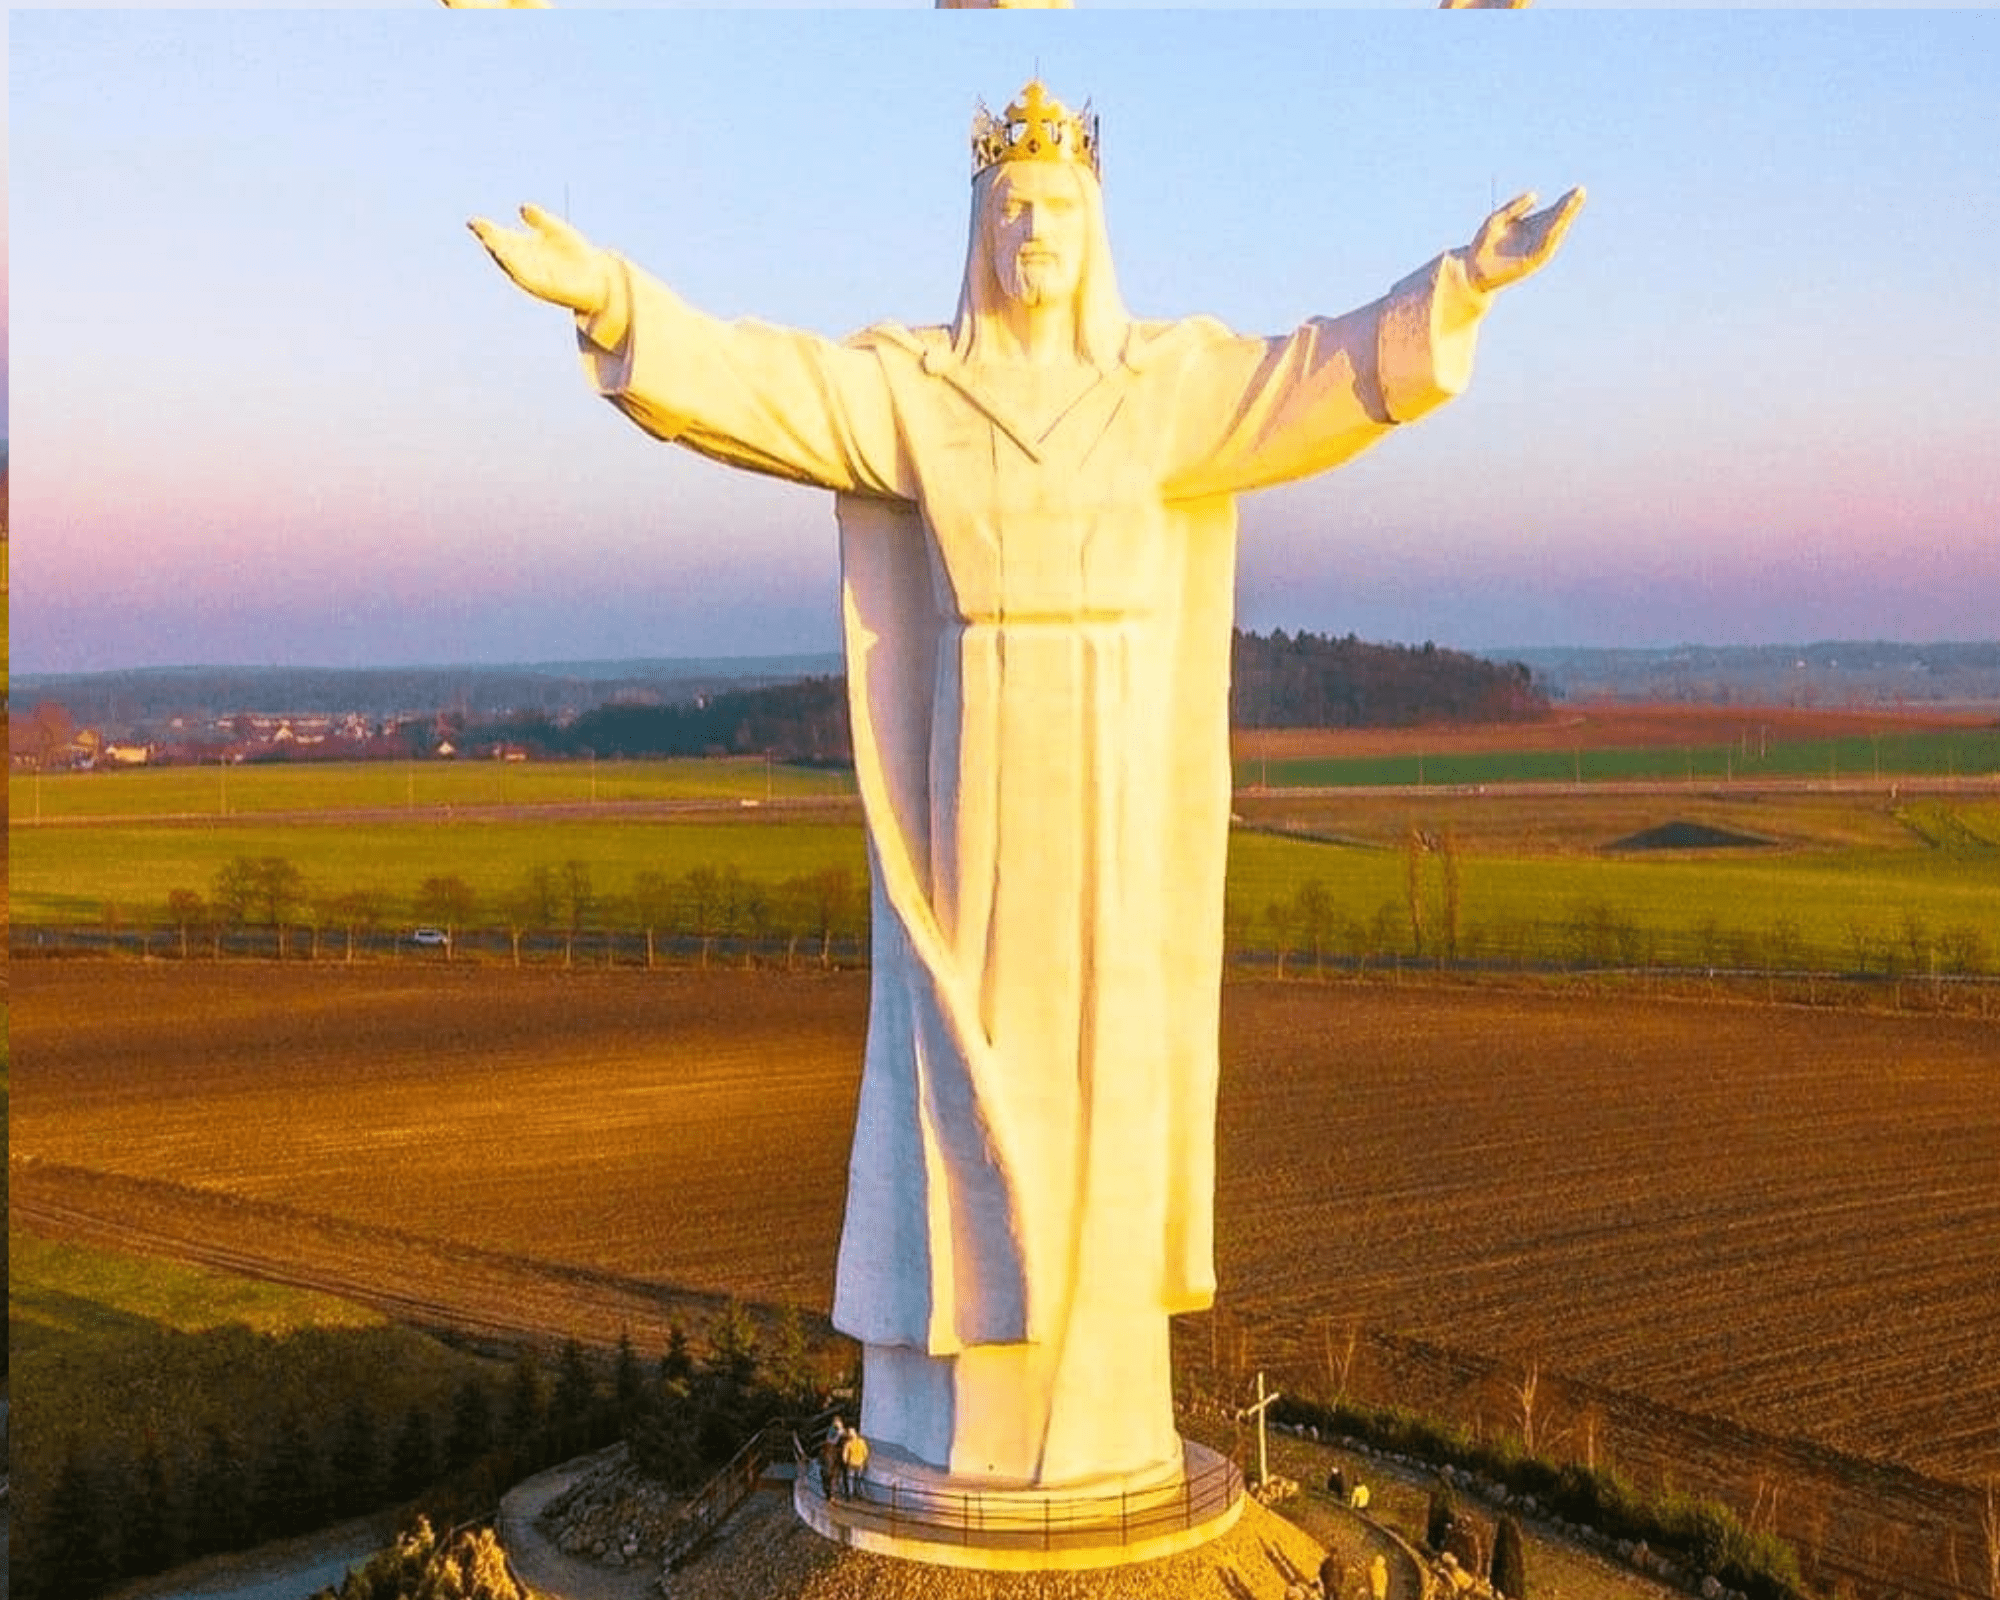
(430, 936)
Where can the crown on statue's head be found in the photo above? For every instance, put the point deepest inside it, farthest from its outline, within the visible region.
(1035, 127)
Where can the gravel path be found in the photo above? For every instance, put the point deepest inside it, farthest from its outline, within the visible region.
(545, 1568)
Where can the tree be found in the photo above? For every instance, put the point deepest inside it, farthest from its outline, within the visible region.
(471, 1434)
(732, 1346)
(630, 1395)
(789, 1368)
(413, 1462)
(701, 898)
(152, 1523)
(290, 1495)
(756, 913)
(1313, 917)
(185, 909)
(1524, 1395)
(527, 1409)
(365, 909)
(677, 1364)
(1413, 887)
(261, 889)
(220, 1505)
(1449, 848)
(356, 1461)
(652, 904)
(579, 900)
(1282, 916)
(833, 900)
(572, 1410)
(521, 909)
(448, 902)
(51, 731)
(1509, 1572)
(77, 1553)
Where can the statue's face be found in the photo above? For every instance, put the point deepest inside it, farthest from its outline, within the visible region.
(1039, 230)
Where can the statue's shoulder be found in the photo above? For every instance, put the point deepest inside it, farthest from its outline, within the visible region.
(1153, 344)
(893, 339)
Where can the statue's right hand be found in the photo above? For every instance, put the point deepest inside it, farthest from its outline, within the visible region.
(551, 260)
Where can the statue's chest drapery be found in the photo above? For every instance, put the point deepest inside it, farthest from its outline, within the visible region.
(1044, 520)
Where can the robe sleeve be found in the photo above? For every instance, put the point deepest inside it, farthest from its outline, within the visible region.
(772, 400)
(1255, 412)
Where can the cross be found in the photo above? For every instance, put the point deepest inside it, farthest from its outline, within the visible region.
(1263, 1404)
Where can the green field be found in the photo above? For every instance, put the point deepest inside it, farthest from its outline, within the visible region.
(71, 875)
(1965, 753)
(1843, 882)
(1834, 909)
(112, 1347)
(1830, 910)
(221, 792)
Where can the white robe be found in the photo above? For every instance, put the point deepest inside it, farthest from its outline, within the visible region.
(1038, 614)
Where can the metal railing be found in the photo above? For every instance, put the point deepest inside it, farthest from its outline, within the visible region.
(1021, 1521)
(696, 1522)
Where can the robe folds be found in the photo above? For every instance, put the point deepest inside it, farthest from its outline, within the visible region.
(1037, 603)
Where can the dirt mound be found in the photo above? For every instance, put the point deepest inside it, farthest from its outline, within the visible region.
(1689, 836)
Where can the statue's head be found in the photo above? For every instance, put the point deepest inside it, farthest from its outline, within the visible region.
(1037, 235)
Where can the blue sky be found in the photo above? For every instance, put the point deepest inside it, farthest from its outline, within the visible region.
(272, 403)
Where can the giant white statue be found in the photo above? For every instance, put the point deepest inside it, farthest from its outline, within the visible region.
(1037, 515)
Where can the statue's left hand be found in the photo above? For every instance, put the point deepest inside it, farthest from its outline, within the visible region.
(1512, 243)
(549, 259)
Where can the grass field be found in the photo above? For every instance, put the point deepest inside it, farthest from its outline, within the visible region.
(1694, 1217)
(1840, 882)
(225, 792)
(113, 1348)
(1968, 753)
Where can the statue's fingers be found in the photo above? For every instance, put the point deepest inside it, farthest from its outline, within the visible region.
(1556, 220)
(549, 225)
(492, 236)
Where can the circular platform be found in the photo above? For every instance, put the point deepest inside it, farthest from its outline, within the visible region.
(905, 1510)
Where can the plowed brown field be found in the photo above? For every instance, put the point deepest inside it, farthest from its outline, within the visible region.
(1749, 1246)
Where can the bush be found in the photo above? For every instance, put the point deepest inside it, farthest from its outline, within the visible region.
(1438, 1523)
(1509, 1573)
(415, 1567)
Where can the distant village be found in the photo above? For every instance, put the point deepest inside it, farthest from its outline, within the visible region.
(48, 739)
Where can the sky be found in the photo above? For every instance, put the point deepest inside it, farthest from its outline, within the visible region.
(273, 404)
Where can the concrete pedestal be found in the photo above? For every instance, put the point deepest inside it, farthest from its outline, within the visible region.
(913, 1511)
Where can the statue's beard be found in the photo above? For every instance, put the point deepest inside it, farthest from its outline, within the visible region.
(1038, 283)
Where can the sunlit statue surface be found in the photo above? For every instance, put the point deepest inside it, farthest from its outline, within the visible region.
(1037, 522)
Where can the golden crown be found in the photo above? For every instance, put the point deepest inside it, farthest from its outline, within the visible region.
(1035, 127)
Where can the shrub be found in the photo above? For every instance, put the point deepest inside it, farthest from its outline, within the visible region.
(1442, 1514)
(1509, 1573)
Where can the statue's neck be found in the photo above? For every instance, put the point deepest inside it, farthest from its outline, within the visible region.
(1035, 336)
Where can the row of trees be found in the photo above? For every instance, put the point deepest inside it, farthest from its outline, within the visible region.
(114, 1512)
(1302, 680)
(812, 916)
(812, 911)
(1309, 680)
